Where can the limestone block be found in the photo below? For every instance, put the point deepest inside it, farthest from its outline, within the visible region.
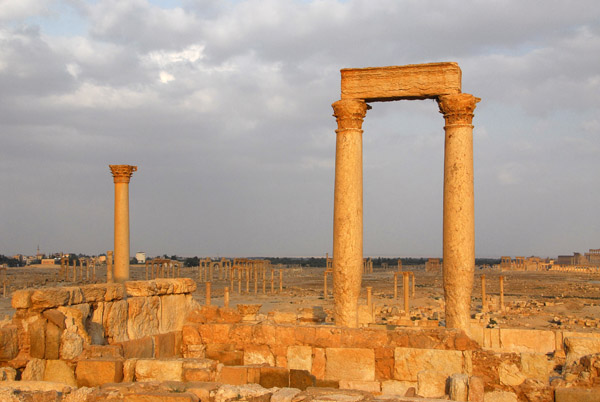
(7, 374)
(59, 371)
(431, 384)
(95, 372)
(302, 379)
(158, 396)
(365, 315)
(527, 340)
(53, 336)
(71, 345)
(49, 298)
(197, 352)
(167, 345)
(21, 299)
(34, 370)
(274, 377)
(37, 337)
(160, 286)
(350, 364)
(115, 320)
(258, 354)
(143, 316)
(510, 374)
(299, 357)
(55, 317)
(248, 392)
(500, 396)
(9, 346)
(284, 317)
(159, 370)
(129, 370)
(114, 292)
(174, 309)
(578, 347)
(409, 361)
(536, 366)
(576, 395)
(373, 387)
(205, 391)
(197, 375)
(142, 348)
(234, 375)
(37, 386)
(284, 394)
(394, 387)
(93, 293)
(418, 81)
(319, 363)
(76, 318)
(75, 295)
(458, 388)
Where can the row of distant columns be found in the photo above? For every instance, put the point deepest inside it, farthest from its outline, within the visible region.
(458, 214)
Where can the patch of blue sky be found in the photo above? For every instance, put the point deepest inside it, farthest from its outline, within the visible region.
(61, 20)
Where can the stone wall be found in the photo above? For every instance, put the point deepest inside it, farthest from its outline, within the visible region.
(61, 322)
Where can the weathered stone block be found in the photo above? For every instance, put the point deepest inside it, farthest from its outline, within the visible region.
(59, 371)
(418, 81)
(49, 298)
(7, 374)
(500, 396)
(350, 364)
(71, 345)
(373, 387)
(174, 309)
(233, 375)
(143, 316)
(114, 292)
(258, 354)
(115, 321)
(55, 317)
(536, 366)
(510, 374)
(21, 299)
(167, 345)
(142, 348)
(393, 387)
(299, 357)
(577, 347)
(527, 340)
(150, 396)
(249, 392)
(159, 370)
(95, 372)
(458, 387)
(93, 293)
(197, 375)
(576, 395)
(94, 326)
(53, 336)
(431, 384)
(9, 346)
(302, 379)
(274, 377)
(284, 395)
(34, 370)
(409, 361)
(37, 337)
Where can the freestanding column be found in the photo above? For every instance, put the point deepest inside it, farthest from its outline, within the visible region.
(483, 295)
(501, 293)
(459, 216)
(122, 175)
(348, 211)
(405, 284)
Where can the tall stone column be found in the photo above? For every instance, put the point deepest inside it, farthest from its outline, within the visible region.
(348, 211)
(459, 211)
(121, 175)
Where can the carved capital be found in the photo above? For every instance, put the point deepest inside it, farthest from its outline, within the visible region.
(457, 109)
(122, 173)
(350, 113)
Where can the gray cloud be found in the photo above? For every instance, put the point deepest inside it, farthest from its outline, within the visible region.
(225, 107)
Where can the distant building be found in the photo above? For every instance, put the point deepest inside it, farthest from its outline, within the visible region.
(48, 261)
(140, 257)
(589, 259)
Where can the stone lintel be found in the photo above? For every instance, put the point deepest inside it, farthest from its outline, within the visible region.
(413, 81)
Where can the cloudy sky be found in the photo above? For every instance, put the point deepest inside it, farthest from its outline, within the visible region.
(225, 107)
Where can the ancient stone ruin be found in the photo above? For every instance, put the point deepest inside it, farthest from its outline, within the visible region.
(172, 335)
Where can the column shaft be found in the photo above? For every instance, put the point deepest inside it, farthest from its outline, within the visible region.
(122, 175)
(348, 211)
(459, 218)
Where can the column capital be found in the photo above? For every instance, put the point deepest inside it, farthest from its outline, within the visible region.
(457, 109)
(350, 113)
(122, 173)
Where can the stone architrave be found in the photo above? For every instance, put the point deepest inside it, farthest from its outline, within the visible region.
(439, 81)
(121, 177)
